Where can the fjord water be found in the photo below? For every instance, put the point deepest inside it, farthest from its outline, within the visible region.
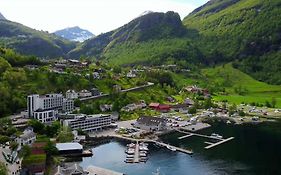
(256, 149)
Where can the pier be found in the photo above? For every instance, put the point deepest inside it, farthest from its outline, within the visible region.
(174, 147)
(186, 151)
(183, 137)
(195, 134)
(211, 145)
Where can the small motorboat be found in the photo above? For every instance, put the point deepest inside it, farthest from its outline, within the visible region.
(171, 148)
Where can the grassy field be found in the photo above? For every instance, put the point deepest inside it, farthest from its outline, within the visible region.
(252, 90)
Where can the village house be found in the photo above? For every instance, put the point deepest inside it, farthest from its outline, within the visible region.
(197, 90)
(160, 107)
(151, 123)
(171, 99)
(96, 76)
(95, 92)
(188, 101)
(27, 138)
(180, 107)
(131, 74)
(117, 88)
(84, 93)
(106, 107)
(71, 94)
(134, 106)
(70, 169)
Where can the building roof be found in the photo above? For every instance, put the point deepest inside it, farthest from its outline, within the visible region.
(68, 146)
(150, 121)
(71, 169)
(162, 106)
(154, 105)
(28, 134)
(177, 106)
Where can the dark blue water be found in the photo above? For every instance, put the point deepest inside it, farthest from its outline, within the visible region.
(256, 149)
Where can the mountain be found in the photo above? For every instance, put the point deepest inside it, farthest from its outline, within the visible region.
(2, 17)
(74, 34)
(150, 37)
(245, 32)
(32, 42)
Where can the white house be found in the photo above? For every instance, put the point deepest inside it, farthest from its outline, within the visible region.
(84, 93)
(96, 76)
(131, 74)
(27, 138)
(71, 94)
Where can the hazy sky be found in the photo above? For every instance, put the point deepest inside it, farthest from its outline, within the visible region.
(98, 16)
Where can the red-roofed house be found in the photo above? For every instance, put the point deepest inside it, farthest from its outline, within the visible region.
(164, 108)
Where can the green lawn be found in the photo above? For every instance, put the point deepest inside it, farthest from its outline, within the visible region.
(34, 159)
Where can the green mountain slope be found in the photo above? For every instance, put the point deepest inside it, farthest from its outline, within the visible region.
(32, 42)
(239, 87)
(151, 37)
(248, 31)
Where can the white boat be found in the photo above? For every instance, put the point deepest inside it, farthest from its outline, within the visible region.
(216, 136)
(142, 155)
(171, 148)
(131, 145)
(143, 148)
(130, 151)
(130, 156)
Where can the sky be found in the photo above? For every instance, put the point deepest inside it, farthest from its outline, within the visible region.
(97, 16)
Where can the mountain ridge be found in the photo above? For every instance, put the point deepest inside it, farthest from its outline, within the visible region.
(29, 41)
(2, 17)
(74, 34)
(151, 26)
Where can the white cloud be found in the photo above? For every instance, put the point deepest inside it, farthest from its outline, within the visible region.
(95, 15)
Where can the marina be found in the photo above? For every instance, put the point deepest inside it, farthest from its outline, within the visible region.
(158, 143)
(221, 160)
(136, 153)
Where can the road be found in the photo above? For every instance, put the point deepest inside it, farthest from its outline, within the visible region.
(125, 90)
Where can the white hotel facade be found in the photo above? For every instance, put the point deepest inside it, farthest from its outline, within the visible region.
(45, 108)
(89, 123)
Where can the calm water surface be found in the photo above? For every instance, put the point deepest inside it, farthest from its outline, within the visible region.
(256, 149)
